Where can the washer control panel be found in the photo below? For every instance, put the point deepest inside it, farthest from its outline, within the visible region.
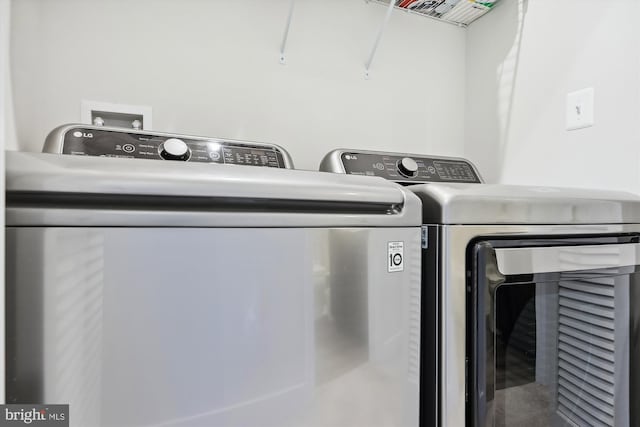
(402, 168)
(99, 141)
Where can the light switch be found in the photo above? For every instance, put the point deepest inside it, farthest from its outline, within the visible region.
(580, 109)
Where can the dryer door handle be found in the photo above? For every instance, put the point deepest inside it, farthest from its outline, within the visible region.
(514, 261)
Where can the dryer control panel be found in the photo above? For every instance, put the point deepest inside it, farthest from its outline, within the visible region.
(84, 140)
(401, 168)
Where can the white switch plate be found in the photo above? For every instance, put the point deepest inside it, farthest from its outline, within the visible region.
(580, 109)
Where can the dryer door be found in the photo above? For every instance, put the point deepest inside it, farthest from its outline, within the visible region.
(553, 326)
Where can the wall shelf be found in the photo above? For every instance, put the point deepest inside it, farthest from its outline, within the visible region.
(457, 12)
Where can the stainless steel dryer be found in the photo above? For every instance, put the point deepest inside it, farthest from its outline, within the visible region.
(530, 296)
(196, 293)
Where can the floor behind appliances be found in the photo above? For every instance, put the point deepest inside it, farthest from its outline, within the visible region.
(173, 293)
(530, 296)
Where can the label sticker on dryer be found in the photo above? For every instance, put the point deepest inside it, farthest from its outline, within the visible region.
(395, 258)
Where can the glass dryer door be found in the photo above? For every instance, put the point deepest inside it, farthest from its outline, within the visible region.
(553, 332)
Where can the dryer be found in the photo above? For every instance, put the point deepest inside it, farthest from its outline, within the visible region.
(530, 296)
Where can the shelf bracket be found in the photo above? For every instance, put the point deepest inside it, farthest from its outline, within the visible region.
(383, 26)
(283, 45)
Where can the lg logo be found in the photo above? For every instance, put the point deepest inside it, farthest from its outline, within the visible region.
(79, 134)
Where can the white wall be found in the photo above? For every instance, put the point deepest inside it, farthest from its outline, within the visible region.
(211, 68)
(522, 60)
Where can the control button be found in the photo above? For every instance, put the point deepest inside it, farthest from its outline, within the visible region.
(408, 167)
(214, 155)
(174, 149)
(128, 148)
(379, 166)
(431, 170)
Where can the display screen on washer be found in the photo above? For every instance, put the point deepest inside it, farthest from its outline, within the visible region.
(409, 169)
(108, 143)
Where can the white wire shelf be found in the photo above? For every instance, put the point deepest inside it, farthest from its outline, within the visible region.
(457, 12)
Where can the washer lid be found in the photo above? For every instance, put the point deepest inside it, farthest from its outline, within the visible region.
(511, 204)
(82, 190)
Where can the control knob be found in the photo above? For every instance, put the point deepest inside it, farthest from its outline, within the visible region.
(408, 167)
(174, 149)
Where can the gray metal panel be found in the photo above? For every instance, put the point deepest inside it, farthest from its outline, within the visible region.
(509, 204)
(215, 327)
(86, 191)
(55, 140)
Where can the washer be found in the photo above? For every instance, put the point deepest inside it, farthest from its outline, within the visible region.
(169, 289)
(530, 296)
